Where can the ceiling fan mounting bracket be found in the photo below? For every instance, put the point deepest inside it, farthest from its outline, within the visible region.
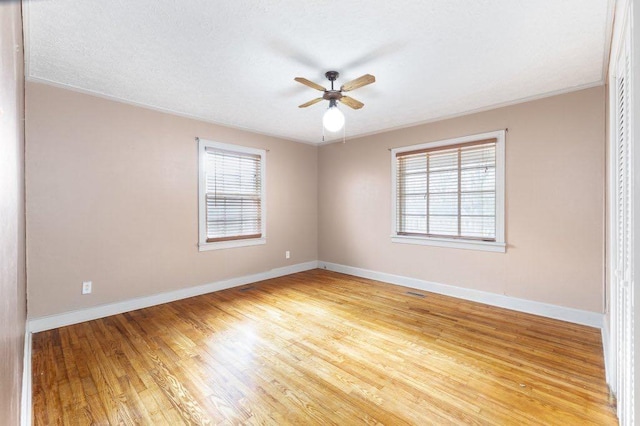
(332, 75)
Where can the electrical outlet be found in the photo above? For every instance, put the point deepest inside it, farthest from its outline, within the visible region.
(86, 287)
(287, 254)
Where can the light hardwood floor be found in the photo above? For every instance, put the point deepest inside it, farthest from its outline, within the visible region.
(321, 348)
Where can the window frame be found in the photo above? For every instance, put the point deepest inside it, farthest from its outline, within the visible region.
(203, 245)
(499, 245)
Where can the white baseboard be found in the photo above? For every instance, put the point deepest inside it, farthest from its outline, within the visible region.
(577, 316)
(592, 319)
(25, 402)
(60, 320)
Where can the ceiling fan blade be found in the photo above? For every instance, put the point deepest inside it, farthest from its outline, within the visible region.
(309, 83)
(314, 101)
(350, 102)
(358, 82)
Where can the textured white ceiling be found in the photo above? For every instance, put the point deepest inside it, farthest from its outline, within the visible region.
(233, 62)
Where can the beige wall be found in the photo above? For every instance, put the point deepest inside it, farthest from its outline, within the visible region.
(12, 260)
(554, 204)
(112, 198)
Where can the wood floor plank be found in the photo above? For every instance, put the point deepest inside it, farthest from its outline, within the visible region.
(321, 348)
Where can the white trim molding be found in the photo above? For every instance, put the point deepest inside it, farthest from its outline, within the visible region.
(577, 316)
(592, 319)
(448, 242)
(74, 317)
(609, 361)
(25, 403)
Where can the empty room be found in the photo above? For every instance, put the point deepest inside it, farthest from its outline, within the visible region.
(360, 212)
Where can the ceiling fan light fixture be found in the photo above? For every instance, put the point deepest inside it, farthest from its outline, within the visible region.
(333, 119)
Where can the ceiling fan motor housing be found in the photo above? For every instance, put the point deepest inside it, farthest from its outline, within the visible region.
(332, 95)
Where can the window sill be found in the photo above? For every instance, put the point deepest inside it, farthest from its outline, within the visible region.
(231, 244)
(445, 242)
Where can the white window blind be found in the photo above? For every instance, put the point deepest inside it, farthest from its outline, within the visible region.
(447, 191)
(231, 200)
(233, 195)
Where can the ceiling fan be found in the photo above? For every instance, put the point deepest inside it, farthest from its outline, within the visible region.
(333, 119)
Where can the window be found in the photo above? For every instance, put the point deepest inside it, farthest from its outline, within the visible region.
(231, 196)
(450, 193)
